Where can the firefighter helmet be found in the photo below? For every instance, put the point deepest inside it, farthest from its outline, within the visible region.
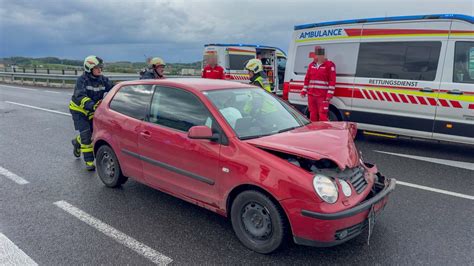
(92, 61)
(254, 65)
(156, 61)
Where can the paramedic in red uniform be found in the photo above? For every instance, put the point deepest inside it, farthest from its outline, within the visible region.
(213, 70)
(319, 85)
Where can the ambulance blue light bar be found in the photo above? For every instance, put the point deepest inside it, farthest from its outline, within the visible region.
(467, 18)
(244, 45)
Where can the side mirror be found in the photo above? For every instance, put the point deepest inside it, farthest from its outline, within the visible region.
(201, 132)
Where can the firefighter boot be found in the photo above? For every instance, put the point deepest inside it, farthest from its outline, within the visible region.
(90, 166)
(77, 147)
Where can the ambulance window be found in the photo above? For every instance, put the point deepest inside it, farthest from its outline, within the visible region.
(399, 60)
(344, 55)
(132, 100)
(464, 62)
(237, 62)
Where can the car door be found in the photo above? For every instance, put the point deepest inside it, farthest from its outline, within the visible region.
(396, 86)
(129, 107)
(171, 161)
(455, 113)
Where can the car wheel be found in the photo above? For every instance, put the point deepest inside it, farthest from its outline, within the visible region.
(108, 167)
(258, 223)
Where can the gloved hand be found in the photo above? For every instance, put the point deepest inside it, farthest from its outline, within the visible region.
(303, 93)
(96, 105)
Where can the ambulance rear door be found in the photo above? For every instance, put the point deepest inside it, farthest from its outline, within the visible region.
(398, 75)
(236, 58)
(455, 113)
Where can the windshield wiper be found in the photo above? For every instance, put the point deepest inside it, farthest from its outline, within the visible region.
(254, 136)
(288, 129)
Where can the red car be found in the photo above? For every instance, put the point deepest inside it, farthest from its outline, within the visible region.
(243, 153)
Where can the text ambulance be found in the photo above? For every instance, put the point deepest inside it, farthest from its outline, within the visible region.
(233, 57)
(409, 75)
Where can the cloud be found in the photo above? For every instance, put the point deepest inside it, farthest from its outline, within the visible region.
(177, 30)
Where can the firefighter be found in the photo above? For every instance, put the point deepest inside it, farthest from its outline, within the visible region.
(319, 85)
(213, 70)
(90, 89)
(156, 68)
(257, 78)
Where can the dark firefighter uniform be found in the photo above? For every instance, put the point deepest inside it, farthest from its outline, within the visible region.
(88, 94)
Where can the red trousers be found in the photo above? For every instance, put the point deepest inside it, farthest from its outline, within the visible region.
(318, 108)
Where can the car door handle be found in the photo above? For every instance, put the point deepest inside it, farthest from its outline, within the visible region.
(426, 89)
(456, 92)
(145, 134)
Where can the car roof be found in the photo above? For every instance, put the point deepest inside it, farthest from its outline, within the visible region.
(194, 84)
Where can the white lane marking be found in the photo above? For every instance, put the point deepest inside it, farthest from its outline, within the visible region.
(11, 254)
(455, 194)
(140, 248)
(14, 87)
(458, 164)
(52, 91)
(19, 180)
(38, 108)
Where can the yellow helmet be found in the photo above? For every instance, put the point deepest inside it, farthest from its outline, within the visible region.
(254, 65)
(92, 61)
(156, 61)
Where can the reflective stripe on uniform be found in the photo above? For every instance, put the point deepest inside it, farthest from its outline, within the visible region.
(318, 87)
(318, 82)
(102, 88)
(87, 148)
(73, 106)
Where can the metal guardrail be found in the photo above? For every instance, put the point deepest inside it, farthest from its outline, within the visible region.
(52, 79)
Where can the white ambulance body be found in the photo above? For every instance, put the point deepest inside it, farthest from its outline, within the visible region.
(411, 75)
(233, 57)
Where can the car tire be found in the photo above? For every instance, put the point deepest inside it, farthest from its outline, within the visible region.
(258, 222)
(108, 167)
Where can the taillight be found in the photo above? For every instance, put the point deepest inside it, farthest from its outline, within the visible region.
(286, 90)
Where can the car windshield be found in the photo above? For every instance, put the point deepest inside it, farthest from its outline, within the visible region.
(254, 113)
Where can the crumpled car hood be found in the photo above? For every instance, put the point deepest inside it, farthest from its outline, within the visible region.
(320, 140)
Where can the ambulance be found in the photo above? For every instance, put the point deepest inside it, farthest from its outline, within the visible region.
(396, 76)
(233, 57)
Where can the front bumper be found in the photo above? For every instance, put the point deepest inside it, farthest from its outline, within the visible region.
(330, 229)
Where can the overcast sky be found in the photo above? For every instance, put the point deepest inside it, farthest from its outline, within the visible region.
(177, 30)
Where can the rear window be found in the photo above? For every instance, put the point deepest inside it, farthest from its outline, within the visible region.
(237, 62)
(398, 60)
(132, 100)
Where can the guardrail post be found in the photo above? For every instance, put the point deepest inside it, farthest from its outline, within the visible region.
(47, 71)
(24, 70)
(63, 71)
(64, 83)
(22, 81)
(47, 82)
(75, 72)
(34, 70)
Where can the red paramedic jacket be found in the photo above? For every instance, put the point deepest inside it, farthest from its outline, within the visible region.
(321, 81)
(216, 72)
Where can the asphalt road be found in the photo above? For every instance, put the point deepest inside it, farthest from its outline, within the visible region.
(421, 225)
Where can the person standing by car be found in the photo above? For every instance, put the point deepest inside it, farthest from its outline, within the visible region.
(156, 69)
(90, 89)
(319, 85)
(213, 70)
(257, 78)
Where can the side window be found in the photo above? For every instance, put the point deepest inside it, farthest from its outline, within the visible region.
(132, 100)
(464, 62)
(399, 60)
(178, 109)
(342, 54)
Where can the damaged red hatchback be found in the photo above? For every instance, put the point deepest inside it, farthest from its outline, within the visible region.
(243, 153)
